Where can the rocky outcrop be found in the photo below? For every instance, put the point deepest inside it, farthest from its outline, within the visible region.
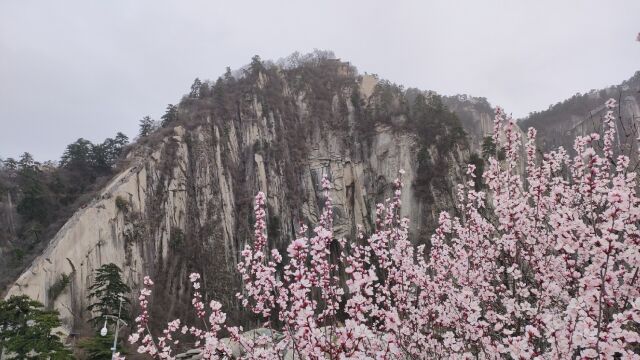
(476, 116)
(92, 237)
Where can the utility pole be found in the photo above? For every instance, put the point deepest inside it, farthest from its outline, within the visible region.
(104, 331)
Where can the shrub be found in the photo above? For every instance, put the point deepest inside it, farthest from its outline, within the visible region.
(122, 204)
(18, 255)
(176, 239)
(58, 287)
(29, 331)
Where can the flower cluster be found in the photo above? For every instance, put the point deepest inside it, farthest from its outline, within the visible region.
(142, 335)
(162, 347)
(548, 267)
(540, 265)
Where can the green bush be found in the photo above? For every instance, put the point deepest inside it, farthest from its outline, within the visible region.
(133, 234)
(58, 287)
(273, 227)
(18, 255)
(176, 239)
(122, 204)
(28, 328)
(99, 347)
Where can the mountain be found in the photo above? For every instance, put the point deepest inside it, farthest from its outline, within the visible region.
(183, 199)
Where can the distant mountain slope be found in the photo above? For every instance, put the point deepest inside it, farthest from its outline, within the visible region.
(582, 114)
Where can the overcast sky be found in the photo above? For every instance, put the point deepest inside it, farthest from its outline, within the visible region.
(71, 69)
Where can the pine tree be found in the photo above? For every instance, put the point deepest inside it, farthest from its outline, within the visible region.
(114, 147)
(106, 290)
(27, 161)
(196, 89)
(490, 149)
(228, 76)
(77, 155)
(146, 126)
(104, 156)
(34, 204)
(26, 329)
(170, 116)
(256, 66)
(10, 164)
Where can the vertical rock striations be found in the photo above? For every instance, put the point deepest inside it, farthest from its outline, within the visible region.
(184, 201)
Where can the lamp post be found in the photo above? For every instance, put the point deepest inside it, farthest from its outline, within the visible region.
(103, 331)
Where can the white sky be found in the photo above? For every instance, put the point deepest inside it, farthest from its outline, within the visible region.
(90, 68)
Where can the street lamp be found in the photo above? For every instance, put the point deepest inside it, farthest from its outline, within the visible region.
(103, 331)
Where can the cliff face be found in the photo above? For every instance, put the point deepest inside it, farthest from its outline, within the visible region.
(184, 202)
(476, 116)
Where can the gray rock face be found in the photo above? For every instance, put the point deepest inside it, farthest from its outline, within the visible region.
(476, 116)
(189, 191)
(190, 355)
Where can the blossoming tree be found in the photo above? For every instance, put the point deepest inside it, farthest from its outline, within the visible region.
(540, 265)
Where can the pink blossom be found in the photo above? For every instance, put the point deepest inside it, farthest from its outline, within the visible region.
(193, 277)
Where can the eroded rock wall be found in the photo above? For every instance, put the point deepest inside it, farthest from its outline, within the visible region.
(185, 199)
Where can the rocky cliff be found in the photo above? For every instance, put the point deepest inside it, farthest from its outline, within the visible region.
(476, 116)
(183, 202)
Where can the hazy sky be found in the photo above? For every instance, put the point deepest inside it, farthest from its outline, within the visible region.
(82, 68)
